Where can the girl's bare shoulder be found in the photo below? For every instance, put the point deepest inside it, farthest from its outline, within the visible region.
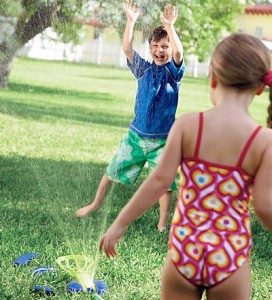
(266, 135)
(188, 117)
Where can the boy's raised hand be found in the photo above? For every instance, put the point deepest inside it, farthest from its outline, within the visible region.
(131, 10)
(169, 16)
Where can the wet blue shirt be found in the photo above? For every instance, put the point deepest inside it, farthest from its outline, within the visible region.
(157, 96)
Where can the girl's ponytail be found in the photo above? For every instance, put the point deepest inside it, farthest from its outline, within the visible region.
(269, 110)
(268, 81)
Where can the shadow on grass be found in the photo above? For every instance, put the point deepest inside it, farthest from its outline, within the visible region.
(261, 239)
(38, 201)
(44, 90)
(127, 77)
(57, 110)
(37, 194)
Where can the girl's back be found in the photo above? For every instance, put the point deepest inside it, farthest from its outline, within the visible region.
(225, 133)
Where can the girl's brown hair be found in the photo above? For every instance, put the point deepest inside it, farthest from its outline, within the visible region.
(241, 61)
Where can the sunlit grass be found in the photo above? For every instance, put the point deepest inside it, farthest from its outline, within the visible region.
(60, 123)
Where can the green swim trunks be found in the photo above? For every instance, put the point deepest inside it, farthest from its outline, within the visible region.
(134, 151)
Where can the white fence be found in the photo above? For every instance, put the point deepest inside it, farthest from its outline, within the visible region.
(96, 51)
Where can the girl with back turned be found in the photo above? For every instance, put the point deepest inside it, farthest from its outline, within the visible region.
(225, 157)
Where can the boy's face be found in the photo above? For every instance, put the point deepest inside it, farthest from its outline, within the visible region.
(161, 51)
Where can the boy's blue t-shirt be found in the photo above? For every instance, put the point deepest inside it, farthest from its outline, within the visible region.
(157, 96)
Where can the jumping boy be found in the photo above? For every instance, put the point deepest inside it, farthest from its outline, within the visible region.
(155, 108)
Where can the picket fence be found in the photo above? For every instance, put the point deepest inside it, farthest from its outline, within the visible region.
(97, 51)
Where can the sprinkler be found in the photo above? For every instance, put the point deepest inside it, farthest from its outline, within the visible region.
(80, 267)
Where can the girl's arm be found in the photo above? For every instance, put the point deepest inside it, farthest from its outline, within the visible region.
(262, 192)
(132, 13)
(149, 192)
(168, 19)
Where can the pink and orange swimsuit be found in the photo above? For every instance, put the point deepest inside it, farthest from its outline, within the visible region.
(210, 236)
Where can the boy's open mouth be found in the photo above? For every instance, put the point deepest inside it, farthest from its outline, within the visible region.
(160, 57)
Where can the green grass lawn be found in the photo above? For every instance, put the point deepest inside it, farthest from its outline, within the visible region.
(60, 123)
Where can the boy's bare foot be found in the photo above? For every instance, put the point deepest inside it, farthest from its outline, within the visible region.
(86, 210)
(161, 228)
(163, 222)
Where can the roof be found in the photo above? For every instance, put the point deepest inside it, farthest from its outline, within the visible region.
(95, 23)
(259, 9)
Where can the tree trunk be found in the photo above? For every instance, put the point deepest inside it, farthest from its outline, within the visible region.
(7, 53)
(4, 73)
(25, 29)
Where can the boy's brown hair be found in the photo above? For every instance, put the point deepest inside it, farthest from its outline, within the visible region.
(157, 34)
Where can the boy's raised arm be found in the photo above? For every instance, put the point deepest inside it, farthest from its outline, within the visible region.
(168, 18)
(132, 13)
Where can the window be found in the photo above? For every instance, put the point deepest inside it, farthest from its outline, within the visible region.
(259, 32)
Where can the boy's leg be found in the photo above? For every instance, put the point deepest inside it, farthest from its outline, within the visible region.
(101, 193)
(165, 205)
(125, 167)
(175, 286)
(165, 200)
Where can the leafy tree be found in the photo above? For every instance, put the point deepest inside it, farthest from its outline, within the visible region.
(21, 20)
(200, 23)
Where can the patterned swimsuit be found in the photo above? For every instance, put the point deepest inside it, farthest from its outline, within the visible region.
(210, 235)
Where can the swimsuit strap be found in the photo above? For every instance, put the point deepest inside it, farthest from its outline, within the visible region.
(247, 145)
(199, 135)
